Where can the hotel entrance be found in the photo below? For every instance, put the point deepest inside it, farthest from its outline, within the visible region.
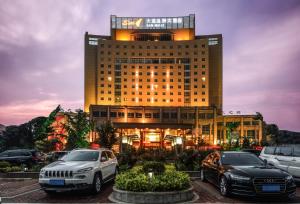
(152, 138)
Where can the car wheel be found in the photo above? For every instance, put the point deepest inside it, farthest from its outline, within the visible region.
(97, 184)
(224, 186)
(202, 176)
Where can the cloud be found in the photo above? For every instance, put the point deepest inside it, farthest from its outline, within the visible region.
(23, 111)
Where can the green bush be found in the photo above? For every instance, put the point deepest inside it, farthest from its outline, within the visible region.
(153, 166)
(137, 179)
(190, 160)
(10, 169)
(4, 164)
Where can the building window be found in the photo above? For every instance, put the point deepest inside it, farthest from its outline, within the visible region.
(148, 115)
(96, 114)
(130, 115)
(113, 114)
(183, 115)
(156, 115)
(121, 114)
(166, 115)
(203, 99)
(138, 115)
(174, 115)
(103, 114)
(206, 129)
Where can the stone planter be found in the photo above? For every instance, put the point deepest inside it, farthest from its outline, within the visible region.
(151, 197)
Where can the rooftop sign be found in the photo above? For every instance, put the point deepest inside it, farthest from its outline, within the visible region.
(152, 22)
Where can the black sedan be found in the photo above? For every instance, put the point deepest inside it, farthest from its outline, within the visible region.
(243, 173)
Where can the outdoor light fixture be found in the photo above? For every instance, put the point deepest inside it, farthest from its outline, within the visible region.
(178, 140)
(124, 140)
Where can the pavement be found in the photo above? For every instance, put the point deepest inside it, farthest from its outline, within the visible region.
(29, 191)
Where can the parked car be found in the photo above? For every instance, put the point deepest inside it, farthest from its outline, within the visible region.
(56, 155)
(285, 157)
(243, 173)
(80, 169)
(254, 151)
(21, 156)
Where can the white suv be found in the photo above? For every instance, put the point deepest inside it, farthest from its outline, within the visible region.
(285, 157)
(80, 169)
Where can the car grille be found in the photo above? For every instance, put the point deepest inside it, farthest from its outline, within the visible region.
(59, 174)
(259, 182)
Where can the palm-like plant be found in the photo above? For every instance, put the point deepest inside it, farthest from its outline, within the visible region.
(107, 135)
(230, 128)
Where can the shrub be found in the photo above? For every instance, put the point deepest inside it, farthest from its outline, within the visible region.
(190, 160)
(140, 182)
(4, 164)
(153, 166)
(15, 169)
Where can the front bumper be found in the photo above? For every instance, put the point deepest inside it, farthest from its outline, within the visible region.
(249, 189)
(69, 184)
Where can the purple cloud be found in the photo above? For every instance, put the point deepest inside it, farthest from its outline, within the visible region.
(41, 52)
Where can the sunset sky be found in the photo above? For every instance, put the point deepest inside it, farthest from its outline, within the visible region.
(42, 46)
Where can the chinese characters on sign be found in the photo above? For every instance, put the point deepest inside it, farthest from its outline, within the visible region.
(152, 23)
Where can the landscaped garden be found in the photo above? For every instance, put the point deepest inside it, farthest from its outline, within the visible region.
(144, 182)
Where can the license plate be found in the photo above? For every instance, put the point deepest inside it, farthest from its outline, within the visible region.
(57, 182)
(270, 188)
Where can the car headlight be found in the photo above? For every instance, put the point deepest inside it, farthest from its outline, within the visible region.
(239, 178)
(84, 170)
(42, 171)
(289, 178)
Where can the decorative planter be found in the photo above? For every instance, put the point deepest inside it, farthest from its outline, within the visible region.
(151, 197)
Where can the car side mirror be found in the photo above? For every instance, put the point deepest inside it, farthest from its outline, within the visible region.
(265, 162)
(103, 159)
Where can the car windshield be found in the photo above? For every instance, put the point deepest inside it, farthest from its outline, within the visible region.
(82, 156)
(242, 159)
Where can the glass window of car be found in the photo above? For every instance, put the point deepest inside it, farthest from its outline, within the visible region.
(82, 156)
(103, 157)
(241, 159)
(269, 150)
(296, 151)
(286, 151)
(109, 155)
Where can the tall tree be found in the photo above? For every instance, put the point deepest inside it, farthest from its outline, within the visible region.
(77, 126)
(107, 135)
(43, 128)
(230, 127)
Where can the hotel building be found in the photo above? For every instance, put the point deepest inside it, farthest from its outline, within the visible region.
(159, 83)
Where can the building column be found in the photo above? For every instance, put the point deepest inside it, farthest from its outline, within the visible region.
(211, 139)
(162, 132)
(108, 113)
(142, 138)
(215, 127)
(160, 115)
(126, 111)
(260, 132)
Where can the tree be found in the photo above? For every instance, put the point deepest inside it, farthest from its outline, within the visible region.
(77, 126)
(43, 128)
(230, 127)
(272, 130)
(246, 142)
(107, 135)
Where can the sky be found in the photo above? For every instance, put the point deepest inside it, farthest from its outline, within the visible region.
(42, 49)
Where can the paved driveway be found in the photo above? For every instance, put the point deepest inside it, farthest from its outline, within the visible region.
(29, 191)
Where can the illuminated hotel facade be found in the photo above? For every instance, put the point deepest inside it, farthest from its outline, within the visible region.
(159, 83)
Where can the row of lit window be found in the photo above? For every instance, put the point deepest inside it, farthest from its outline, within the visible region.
(155, 54)
(165, 115)
(153, 47)
(155, 93)
(148, 86)
(148, 67)
(110, 59)
(151, 100)
(153, 73)
(155, 80)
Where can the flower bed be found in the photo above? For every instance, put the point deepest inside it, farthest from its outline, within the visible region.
(152, 182)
